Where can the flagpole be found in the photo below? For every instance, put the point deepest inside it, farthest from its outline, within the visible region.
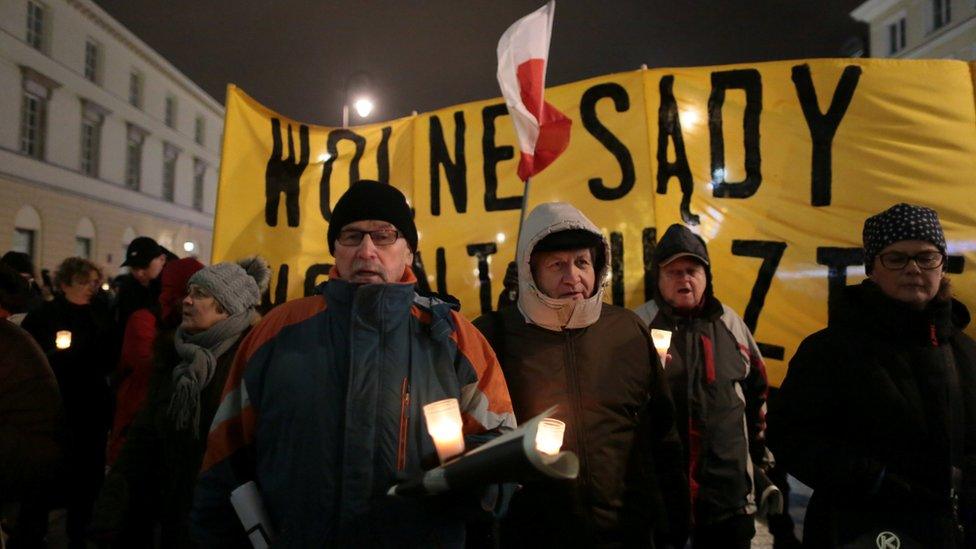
(525, 202)
(512, 294)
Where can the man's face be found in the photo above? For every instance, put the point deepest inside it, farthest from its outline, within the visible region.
(909, 284)
(566, 274)
(145, 275)
(369, 262)
(682, 283)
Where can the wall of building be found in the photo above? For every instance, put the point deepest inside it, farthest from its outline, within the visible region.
(61, 213)
(56, 185)
(955, 40)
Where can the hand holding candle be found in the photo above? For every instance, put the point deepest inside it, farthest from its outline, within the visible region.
(62, 339)
(662, 342)
(444, 425)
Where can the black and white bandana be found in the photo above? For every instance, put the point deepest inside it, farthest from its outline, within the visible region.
(901, 222)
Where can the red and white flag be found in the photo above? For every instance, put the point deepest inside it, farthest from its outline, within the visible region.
(523, 53)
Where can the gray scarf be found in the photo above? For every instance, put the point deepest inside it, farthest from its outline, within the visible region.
(198, 361)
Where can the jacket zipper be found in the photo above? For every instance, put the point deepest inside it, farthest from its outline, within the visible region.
(404, 425)
(577, 412)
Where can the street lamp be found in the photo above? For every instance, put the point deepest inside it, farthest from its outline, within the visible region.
(362, 103)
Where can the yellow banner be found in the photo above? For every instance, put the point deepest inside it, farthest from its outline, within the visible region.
(775, 164)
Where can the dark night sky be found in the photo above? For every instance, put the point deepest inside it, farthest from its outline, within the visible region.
(295, 56)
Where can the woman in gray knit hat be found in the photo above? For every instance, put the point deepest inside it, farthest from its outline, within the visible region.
(152, 481)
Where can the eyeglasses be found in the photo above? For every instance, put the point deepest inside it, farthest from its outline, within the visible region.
(379, 237)
(927, 261)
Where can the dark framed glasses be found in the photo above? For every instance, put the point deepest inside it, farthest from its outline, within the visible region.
(379, 237)
(927, 261)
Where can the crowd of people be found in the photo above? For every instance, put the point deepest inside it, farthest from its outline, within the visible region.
(142, 408)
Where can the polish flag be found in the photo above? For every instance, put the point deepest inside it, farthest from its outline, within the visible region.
(523, 51)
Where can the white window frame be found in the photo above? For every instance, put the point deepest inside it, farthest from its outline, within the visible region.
(171, 111)
(136, 87)
(939, 18)
(23, 234)
(36, 31)
(200, 130)
(199, 183)
(171, 155)
(135, 140)
(93, 58)
(92, 116)
(898, 23)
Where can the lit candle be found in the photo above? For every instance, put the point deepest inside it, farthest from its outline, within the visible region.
(63, 339)
(444, 425)
(662, 342)
(549, 437)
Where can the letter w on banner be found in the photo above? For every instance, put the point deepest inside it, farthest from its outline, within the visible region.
(523, 52)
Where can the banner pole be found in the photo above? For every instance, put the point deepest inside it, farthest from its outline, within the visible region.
(525, 202)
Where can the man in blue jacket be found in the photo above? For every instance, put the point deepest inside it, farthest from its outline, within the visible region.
(323, 405)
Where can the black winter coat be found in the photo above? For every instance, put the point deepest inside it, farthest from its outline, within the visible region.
(612, 395)
(153, 479)
(874, 412)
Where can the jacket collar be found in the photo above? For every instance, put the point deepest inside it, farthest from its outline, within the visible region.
(865, 304)
(374, 303)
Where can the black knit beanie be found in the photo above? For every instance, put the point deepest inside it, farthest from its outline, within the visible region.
(368, 199)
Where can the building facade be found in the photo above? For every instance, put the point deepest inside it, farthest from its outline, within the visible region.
(920, 29)
(101, 139)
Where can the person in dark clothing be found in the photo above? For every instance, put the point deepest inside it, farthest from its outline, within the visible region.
(22, 263)
(136, 363)
(152, 481)
(30, 405)
(718, 382)
(80, 367)
(563, 346)
(878, 411)
(140, 287)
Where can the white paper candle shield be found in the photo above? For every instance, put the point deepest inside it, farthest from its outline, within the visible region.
(444, 425)
(549, 437)
(662, 342)
(63, 339)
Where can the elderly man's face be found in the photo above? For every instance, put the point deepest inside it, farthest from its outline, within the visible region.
(682, 283)
(372, 260)
(565, 274)
(910, 284)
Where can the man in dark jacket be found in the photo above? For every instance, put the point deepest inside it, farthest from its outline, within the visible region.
(563, 346)
(878, 411)
(718, 382)
(323, 405)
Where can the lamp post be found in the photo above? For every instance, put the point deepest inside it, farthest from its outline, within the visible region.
(362, 104)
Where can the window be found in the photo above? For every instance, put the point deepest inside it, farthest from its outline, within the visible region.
(35, 25)
(33, 125)
(941, 13)
(83, 247)
(135, 89)
(133, 156)
(37, 90)
(171, 111)
(896, 36)
(170, 154)
(92, 116)
(91, 60)
(199, 175)
(24, 240)
(199, 131)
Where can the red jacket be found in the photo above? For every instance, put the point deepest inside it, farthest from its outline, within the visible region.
(135, 369)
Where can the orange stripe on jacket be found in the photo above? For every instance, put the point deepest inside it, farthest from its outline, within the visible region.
(491, 382)
(237, 431)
